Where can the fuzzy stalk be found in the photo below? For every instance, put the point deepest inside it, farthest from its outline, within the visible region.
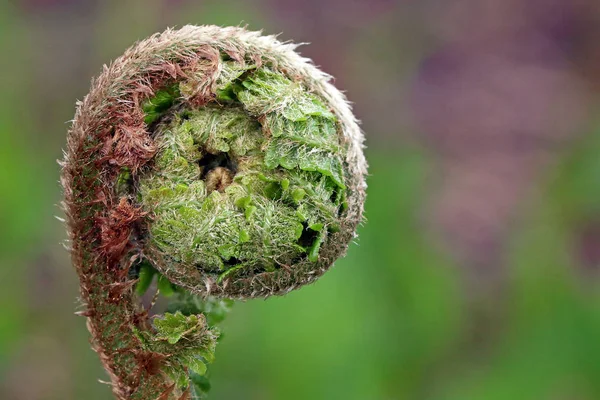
(220, 161)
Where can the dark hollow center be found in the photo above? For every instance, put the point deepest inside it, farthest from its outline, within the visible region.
(211, 161)
(218, 171)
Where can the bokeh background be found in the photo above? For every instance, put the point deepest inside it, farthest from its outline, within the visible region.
(477, 272)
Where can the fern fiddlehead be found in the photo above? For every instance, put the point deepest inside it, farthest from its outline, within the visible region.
(220, 161)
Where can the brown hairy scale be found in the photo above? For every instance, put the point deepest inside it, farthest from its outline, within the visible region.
(108, 134)
(218, 179)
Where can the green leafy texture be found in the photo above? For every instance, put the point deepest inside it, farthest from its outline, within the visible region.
(226, 82)
(187, 329)
(214, 309)
(303, 130)
(158, 105)
(286, 184)
(190, 342)
(145, 277)
(175, 326)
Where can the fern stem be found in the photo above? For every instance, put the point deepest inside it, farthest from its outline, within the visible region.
(223, 162)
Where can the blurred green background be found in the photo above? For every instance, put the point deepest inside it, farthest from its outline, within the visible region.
(477, 272)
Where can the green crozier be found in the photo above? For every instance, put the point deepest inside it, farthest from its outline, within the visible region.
(248, 184)
(205, 164)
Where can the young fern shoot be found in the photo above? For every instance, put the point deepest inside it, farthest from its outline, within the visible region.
(220, 161)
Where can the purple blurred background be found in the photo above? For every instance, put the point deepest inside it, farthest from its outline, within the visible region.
(481, 218)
